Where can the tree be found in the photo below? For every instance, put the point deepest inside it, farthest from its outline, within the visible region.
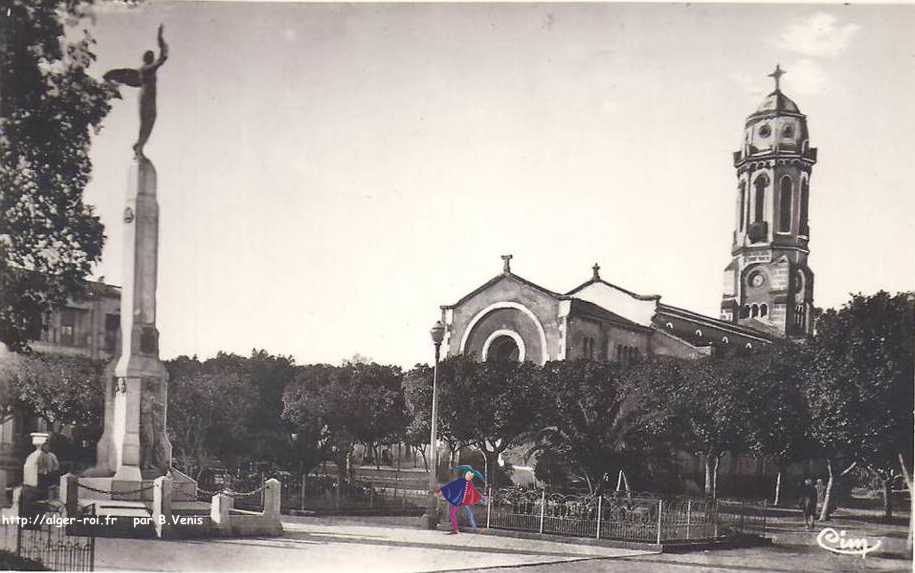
(49, 108)
(384, 416)
(709, 402)
(62, 390)
(207, 405)
(859, 386)
(597, 417)
(777, 422)
(417, 388)
(267, 434)
(351, 403)
(491, 406)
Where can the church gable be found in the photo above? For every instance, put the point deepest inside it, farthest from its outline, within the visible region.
(630, 306)
(508, 317)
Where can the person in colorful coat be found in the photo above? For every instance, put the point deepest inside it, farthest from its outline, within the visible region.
(460, 493)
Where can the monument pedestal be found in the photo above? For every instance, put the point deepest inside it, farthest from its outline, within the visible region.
(134, 446)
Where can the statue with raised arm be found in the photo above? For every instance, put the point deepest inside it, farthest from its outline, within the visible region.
(144, 78)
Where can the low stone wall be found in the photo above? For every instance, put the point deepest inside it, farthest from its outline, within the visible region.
(173, 509)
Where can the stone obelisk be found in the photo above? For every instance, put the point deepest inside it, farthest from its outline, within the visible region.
(134, 442)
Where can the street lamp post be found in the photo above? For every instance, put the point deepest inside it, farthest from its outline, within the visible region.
(438, 334)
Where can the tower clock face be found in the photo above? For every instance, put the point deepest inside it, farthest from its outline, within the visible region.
(757, 280)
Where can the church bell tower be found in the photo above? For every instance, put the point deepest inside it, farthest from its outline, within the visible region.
(768, 285)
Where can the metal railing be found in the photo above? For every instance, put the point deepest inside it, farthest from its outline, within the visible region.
(324, 494)
(626, 517)
(40, 533)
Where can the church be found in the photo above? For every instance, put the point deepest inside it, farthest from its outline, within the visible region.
(768, 286)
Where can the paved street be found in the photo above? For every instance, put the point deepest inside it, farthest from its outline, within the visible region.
(340, 548)
(392, 545)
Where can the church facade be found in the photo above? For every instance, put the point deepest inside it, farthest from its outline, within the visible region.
(768, 286)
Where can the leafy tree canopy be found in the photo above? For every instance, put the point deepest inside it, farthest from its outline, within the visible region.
(49, 108)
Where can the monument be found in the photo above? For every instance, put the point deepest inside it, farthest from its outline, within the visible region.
(134, 445)
(133, 480)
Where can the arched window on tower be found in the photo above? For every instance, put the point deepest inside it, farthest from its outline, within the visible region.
(804, 228)
(754, 311)
(760, 198)
(743, 205)
(763, 310)
(800, 316)
(784, 206)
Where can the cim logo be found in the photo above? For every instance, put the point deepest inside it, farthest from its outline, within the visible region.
(835, 541)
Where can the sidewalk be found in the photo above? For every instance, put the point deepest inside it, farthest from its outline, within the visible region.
(338, 547)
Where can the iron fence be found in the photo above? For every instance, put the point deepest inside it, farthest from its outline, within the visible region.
(324, 494)
(40, 533)
(247, 493)
(623, 516)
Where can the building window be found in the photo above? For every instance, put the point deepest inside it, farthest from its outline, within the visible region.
(760, 198)
(588, 348)
(784, 206)
(743, 204)
(763, 310)
(789, 131)
(67, 327)
(112, 325)
(800, 315)
(804, 228)
(745, 311)
(754, 311)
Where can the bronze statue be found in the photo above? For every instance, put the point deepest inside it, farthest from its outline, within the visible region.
(145, 79)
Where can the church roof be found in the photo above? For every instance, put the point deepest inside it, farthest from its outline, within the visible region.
(777, 101)
(700, 319)
(619, 288)
(585, 308)
(498, 278)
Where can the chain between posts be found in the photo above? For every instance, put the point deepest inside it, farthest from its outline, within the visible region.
(231, 493)
(125, 492)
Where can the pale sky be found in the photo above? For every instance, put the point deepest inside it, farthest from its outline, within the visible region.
(330, 174)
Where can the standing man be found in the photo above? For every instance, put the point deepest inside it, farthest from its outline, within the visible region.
(808, 502)
(48, 467)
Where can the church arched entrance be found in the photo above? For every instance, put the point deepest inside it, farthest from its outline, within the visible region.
(503, 349)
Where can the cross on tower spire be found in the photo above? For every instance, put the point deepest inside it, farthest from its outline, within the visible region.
(596, 269)
(777, 74)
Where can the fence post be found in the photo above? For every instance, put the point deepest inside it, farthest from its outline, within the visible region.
(162, 506)
(542, 508)
(689, 509)
(660, 511)
(69, 493)
(219, 512)
(600, 499)
(765, 511)
(488, 507)
(273, 501)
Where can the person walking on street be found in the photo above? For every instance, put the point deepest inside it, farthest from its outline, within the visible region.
(461, 493)
(808, 502)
